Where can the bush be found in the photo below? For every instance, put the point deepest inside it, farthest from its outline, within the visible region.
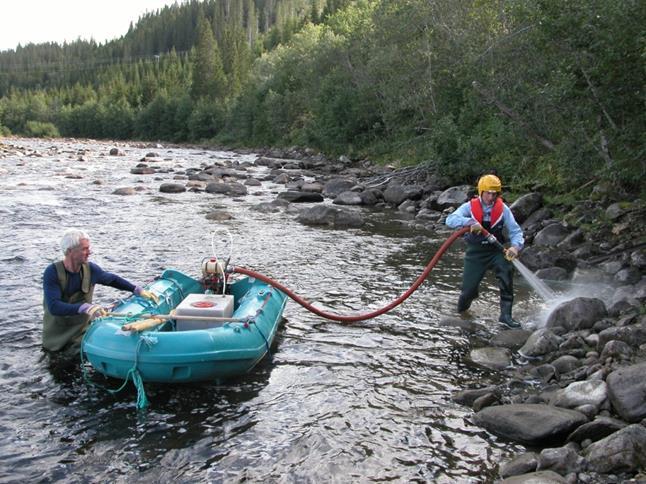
(38, 129)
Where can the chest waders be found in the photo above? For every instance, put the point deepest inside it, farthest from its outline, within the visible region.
(66, 332)
(481, 256)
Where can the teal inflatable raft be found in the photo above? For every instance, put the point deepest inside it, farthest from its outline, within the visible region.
(200, 336)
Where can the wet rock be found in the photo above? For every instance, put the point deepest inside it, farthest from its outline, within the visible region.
(599, 428)
(485, 401)
(301, 197)
(522, 464)
(578, 313)
(539, 343)
(219, 216)
(628, 275)
(232, 189)
(124, 191)
(282, 179)
(536, 258)
(617, 350)
(525, 205)
(562, 460)
(370, 197)
(395, 194)
(553, 274)
(312, 187)
(453, 197)
(622, 451)
(463, 324)
(545, 372)
(326, 215)
(565, 363)
(491, 357)
(336, 186)
(530, 424)
(271, 207)
(626, 390)
(172, 188)
(617, 210)
(348, 198)
(633, 335)
(540, 477)
(252, 182)
(467, 397)
(551, 235)
(511, 338)
(591, 392)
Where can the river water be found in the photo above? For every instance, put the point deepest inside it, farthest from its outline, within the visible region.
(334, 403)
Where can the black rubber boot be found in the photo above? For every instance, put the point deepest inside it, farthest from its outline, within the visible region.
(463, 304)
(505, 315)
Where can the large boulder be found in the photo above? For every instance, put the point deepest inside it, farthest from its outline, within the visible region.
(525, 205)
(530, 424)
(395, 194)
(336, 186)
(301, 197)
(539, 343)
(326, 215)
(551, 235)
(578, 313)
(622, 451)
(453, 197)
(626, 390)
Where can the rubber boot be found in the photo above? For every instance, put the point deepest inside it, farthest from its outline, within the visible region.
(464, 303)
(505, 315)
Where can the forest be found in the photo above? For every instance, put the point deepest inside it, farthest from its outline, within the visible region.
(550, 94)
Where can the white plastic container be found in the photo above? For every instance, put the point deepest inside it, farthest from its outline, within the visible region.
(203, 305)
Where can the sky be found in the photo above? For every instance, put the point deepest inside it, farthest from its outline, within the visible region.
(37, 21)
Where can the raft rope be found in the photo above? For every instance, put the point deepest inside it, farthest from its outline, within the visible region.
(352, 318)
(133, 374)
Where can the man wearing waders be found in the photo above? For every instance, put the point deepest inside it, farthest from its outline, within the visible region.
(68, 287)
(489, 211)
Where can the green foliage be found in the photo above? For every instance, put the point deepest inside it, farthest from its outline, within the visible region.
(206, 120)
(38, 129)
(208, 72)
(547, 93)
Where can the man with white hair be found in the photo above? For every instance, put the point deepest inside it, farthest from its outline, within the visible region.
(68, 286)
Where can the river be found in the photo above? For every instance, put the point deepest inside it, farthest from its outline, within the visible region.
(334, 403)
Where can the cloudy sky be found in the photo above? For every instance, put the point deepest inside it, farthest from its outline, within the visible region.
(37, 21)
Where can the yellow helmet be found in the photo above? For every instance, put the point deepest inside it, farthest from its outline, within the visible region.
(489, 183)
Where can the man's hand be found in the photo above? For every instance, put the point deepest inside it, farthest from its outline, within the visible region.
(511, 253)
(476, 228)
(95, 311)
(149, 295)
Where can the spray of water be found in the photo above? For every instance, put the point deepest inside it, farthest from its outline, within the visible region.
(583, 284)
(539, 286)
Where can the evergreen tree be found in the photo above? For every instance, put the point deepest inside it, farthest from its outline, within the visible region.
(208, 72)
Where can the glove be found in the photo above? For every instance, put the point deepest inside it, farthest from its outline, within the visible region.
(95, 311)
(149, 295)
(511, 253)
(476, 228)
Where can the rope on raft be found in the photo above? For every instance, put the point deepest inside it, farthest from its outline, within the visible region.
(133, 374)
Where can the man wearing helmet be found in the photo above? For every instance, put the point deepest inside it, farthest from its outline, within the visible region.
(488, 211)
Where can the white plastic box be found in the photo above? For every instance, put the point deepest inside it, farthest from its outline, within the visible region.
(203, 305)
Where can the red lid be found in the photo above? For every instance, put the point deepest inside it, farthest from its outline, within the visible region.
(202, 304)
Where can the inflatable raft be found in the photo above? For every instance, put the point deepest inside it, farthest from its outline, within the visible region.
(193, 334)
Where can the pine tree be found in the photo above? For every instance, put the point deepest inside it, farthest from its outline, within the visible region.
(208, 73)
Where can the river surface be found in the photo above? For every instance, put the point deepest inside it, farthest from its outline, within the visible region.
(368, 402)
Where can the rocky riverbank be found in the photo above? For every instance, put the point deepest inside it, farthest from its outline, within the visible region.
(572, 389)
(574, 392)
